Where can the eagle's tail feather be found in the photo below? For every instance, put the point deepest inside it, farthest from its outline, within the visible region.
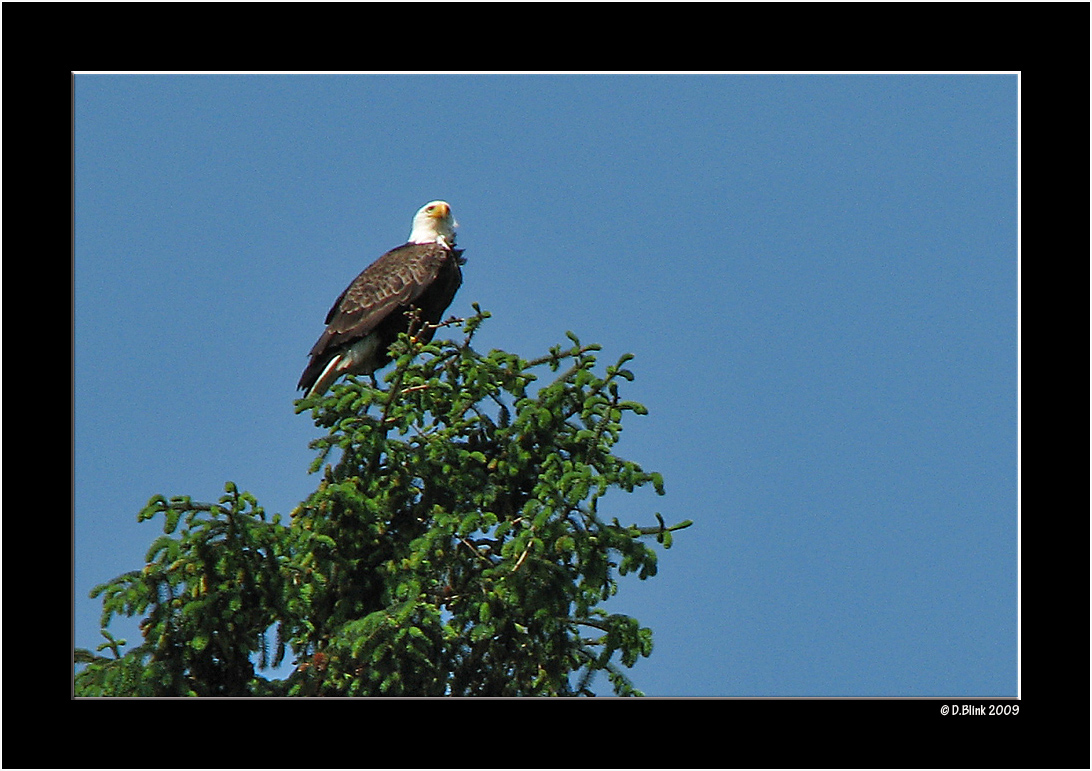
(358, 359)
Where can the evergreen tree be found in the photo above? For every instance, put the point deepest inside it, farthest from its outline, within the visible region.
(453, 547)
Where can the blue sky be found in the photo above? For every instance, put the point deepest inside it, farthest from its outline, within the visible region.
(818, 276)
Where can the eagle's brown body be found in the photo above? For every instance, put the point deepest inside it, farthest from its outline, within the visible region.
(371, 312)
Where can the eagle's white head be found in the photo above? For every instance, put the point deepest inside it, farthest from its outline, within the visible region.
(433, 223)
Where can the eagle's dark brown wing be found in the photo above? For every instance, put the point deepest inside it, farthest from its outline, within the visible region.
(425, 276)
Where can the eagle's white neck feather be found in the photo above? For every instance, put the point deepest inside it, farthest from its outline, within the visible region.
(433, 224)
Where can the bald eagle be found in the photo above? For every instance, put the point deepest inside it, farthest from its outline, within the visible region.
(424, 273)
